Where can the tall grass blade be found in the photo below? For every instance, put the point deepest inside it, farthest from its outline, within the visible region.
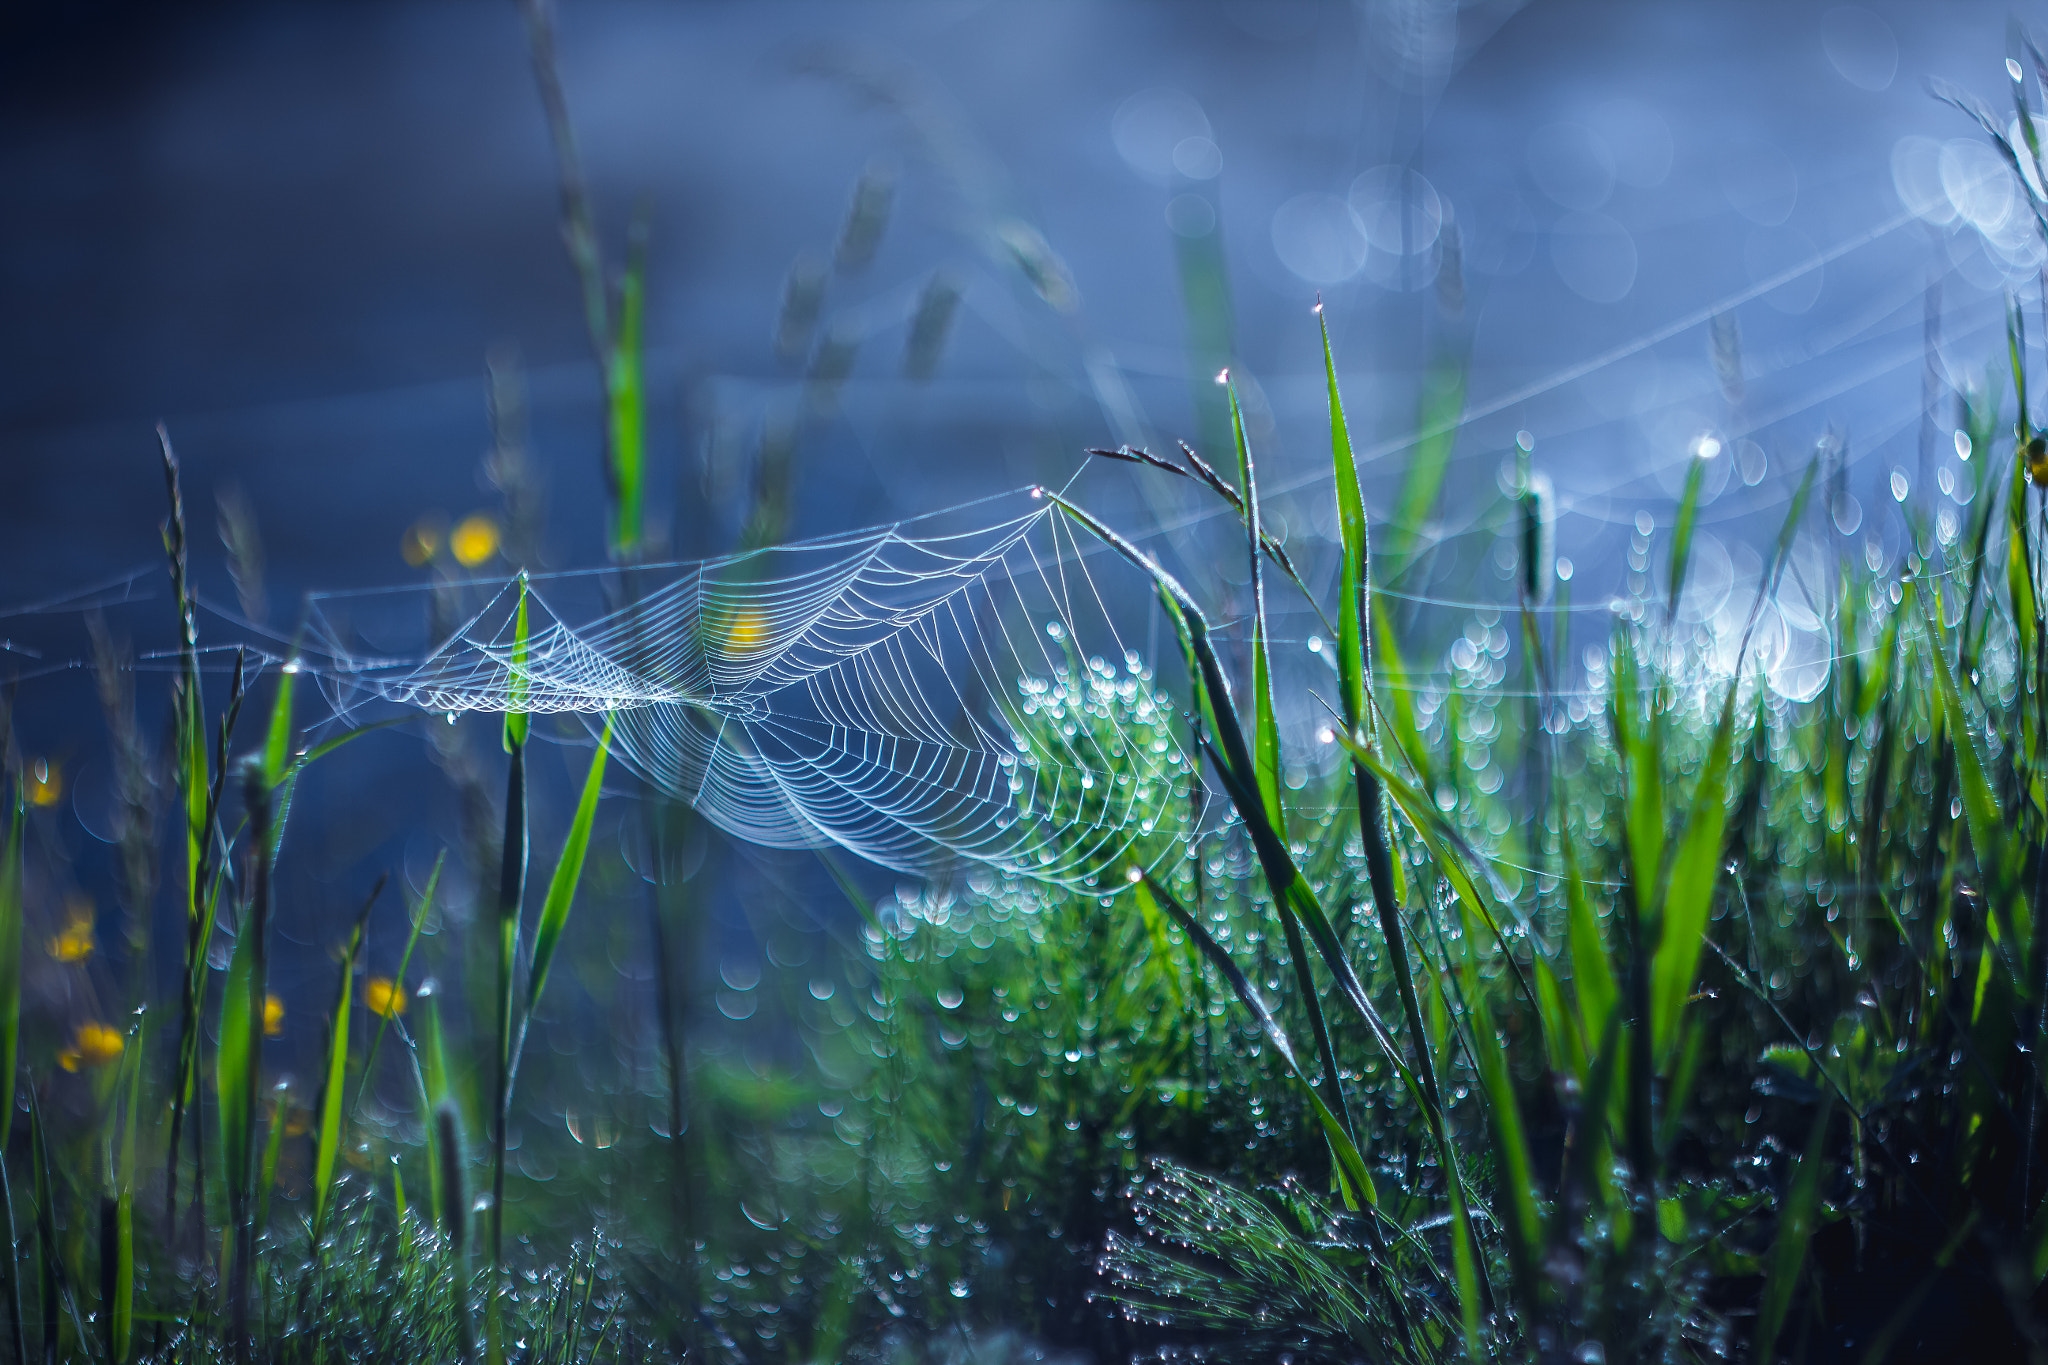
(327, 1146)
(121, 1308)
(627, 407)
(49, 1257)
(511, 900)
(1681, 533)
(1695, 873)
(1795, 1232)
(1982, 812)
(1354, 674)
(384, 1019)
(554, 913)
(1443, 404)
(241, 1057)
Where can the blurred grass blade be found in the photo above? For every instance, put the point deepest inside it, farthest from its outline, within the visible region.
(1689, 897)
(327, 1146)
(384, 1018)
(1681, 533)
(273, 1151)
(1443, 405)
(518, 685)
(627, 406)
(1981, 808)
(121, 1312)
(232, 1062)
(1795, 1231)
(1517, 1176)
(554, 913)
(1592, 970)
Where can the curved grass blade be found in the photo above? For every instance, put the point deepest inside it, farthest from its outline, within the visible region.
(398, 980)
(554, 912)
(1155, 895)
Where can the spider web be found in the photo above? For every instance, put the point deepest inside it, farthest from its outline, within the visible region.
(916, 694)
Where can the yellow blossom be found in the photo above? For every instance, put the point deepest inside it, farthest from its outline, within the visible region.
(94, 1044)
(74, 943)
(745, 629)
(273, 1016)
(45, 783)
(2037, 460)
(474, 540)
(384, 996)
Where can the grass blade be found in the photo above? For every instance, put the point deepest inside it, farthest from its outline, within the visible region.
(554, 913)
(277, 741)
(1681, 534)
(1689, 895)
(627, 406)
(385, 1017)
(1354, 674)
(1511, 1146)
(328, 1145)
(1795, 1231)
(1443, 404)
(1153, 896)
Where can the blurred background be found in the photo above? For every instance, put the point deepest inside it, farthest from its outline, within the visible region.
(901, 256)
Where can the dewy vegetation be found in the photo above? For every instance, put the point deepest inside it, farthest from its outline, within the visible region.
(1745, 1062)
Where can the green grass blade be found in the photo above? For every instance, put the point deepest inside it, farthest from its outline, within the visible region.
(1795, 1231)
(1265, 729)
(1354, 587)
(273, 1153)
(233, 1061)
(1681, 534)
(122, 1311)
(327, 1146)
(1357, 1176)
(419, 920)
(277, 741)
(1592, 968)
(1982, 811)
(1695, 872)
(554, 912)
(518, 685)
(627, 408)
(1443, 404)
(1511, 1145)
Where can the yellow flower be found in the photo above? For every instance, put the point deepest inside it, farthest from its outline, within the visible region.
(74, 943)
(473, 540)
(384, 996)
(2037, 461)
(94, 1044)
(45, 783)
(273, 1016)
(421, 541)
(745, 628)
